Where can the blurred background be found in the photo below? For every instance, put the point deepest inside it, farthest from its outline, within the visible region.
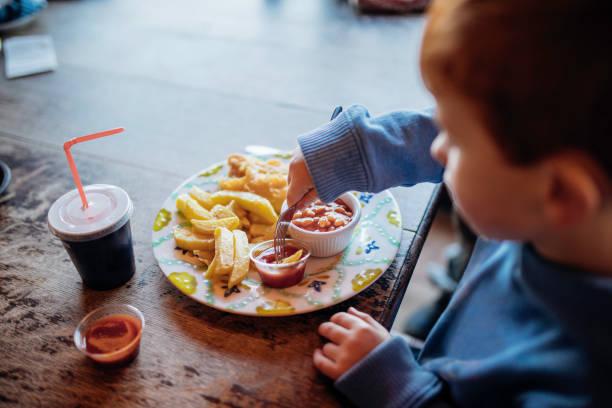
(275, 68)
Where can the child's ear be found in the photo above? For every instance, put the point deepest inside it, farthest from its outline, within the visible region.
(573, 191)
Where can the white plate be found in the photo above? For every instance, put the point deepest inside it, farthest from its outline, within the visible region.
(327, 281)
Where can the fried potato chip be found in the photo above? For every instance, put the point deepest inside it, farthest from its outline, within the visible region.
(212, 269)
(241, 258)
(245, 223)
(255, 178)
(265, 178)
(224, 251)
(188, 256)
(267, 236)
(204, 256)
(191, 209)
(237, 209)
(237, 164)
(202, 197)
(233, 183)
(207, 227)
(293, 258)
(258, 230)
(240, 212)
(256, 219)
(221, 211)
(273, 186)
(185, 238)
(250, 202)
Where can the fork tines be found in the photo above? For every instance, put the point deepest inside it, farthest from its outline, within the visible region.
(280, 233)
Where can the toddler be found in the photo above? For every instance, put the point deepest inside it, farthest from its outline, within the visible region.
(522, 140)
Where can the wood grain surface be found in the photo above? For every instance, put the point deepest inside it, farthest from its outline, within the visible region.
(190, 353)
(191, 81)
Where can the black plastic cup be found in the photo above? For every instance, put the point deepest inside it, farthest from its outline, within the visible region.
(104, 263)
(98, 239)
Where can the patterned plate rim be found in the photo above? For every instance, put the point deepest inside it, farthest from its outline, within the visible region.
(214, 169)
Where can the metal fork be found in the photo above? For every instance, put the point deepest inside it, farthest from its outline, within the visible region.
(284, 219)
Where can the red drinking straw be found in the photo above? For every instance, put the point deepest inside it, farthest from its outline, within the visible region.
(73, 169)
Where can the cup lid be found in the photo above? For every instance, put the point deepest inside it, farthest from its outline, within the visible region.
(109, 209)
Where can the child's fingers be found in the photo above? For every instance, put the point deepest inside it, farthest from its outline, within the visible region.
(331, 351)
(299, 179)
(333, 332)
(324, 364)
(344, 319)
(296, 192)
(359, 314)
(363, 316)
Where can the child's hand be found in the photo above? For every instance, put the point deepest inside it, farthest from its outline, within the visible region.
(353, 335)
(299, 179)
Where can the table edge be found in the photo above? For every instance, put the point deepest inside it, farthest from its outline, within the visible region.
(407, 268)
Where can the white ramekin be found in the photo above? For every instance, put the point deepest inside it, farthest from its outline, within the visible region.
(323, 244)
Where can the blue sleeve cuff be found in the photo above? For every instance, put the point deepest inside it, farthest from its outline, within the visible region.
(358, 152)
(389, 377)
(334, 159)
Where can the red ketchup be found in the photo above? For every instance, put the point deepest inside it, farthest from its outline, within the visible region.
(278, 275)
(114, 333)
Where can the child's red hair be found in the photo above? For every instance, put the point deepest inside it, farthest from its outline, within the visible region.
(538, 71)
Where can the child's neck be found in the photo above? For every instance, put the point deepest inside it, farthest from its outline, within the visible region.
(587, 246)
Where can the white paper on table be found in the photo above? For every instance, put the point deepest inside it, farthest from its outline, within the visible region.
(27, 55)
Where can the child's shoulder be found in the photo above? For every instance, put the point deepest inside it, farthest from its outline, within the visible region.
(578, 300)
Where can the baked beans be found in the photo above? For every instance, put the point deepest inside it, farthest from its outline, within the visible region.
(321, 217)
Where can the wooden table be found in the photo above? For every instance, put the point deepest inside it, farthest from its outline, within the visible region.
(190, 84)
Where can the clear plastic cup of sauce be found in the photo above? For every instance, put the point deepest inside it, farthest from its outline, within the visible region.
(279, 275)
(110, 335)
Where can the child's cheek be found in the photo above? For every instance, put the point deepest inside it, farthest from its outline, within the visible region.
(450, 176)
(456, 194)
(465, 199)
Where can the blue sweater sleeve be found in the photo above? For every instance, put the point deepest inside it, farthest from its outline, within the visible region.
(390, 377)
(358, 152)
